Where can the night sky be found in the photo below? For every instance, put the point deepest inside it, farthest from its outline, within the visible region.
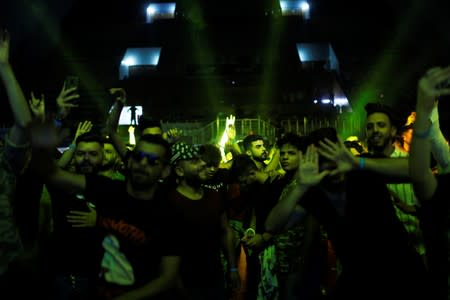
(387, 43)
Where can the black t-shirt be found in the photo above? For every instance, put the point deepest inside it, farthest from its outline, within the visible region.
(73, 250)
(263, 197)
(369, 239)
(203, 233)
(137, 233)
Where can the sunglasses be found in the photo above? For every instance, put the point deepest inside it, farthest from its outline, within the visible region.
(152, 159)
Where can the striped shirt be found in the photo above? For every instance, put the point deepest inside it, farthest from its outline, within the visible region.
(405, 192)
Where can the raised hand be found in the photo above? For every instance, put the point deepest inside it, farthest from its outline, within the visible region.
(65, 100)
(308, 170)
(82, 128)
(338, 153)
(173, 135)
(4, 47)
(120, 93)
(83, 218)
(37, 107)
(230, 121)
(435, 83)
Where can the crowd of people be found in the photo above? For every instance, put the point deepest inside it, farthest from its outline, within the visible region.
(306, 217)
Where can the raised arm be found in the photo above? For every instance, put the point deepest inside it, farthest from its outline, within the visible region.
(113, 121)
(13, 158)
(396, 169)
(439, 145)
(228, 134)
(16, 98)
(67, 156)
(45, 138)
(287, 212)
(429, 89)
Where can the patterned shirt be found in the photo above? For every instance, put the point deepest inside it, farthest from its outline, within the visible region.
(13, 159)
(289, 242)
(405, 192)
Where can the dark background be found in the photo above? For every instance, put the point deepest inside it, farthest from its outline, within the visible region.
(382, 47)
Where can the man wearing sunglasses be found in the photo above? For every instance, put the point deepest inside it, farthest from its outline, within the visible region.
(140, 259)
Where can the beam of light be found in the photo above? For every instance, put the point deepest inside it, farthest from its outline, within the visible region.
(85, 72)
(202, 55)
(269, 57)
(383, 73)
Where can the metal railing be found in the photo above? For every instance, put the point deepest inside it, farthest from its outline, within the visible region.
(212, 132)
(198, 133)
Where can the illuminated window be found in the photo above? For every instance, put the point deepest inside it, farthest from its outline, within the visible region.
(138, 57)
(157, 11)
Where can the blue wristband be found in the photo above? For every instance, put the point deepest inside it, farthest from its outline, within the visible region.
(362, 163)
(233, 270)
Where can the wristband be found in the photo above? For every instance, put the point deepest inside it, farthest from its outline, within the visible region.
(72, 146)
(362, 163)
(232, 270)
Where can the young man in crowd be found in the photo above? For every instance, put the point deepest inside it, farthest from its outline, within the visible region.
(140, 256)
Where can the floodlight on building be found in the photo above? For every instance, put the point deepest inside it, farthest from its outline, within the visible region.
(318, 53)
(295, 7)
(129, 61)
(156, 11)
(146, 57)
(341, 101)
(304, 8)
(151, 10)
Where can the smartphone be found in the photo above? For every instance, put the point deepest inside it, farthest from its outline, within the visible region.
(71, 82)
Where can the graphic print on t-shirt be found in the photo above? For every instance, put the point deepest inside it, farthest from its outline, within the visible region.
(116, 267)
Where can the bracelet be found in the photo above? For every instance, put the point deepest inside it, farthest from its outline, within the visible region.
(234, 269)
(362, 163)
(422, 134)
(72, 146)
